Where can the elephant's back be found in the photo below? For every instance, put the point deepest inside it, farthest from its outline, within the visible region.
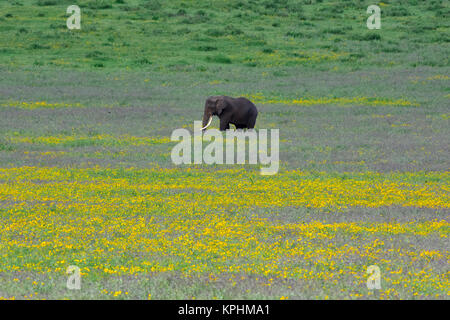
(245, 101)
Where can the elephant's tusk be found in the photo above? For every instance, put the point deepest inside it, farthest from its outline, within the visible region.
(207, 125)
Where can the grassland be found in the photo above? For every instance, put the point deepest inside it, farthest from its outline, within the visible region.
(86, 176)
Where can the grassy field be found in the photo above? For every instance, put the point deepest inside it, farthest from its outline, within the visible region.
(86, 176)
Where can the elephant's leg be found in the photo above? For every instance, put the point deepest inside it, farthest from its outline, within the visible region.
(251, 122)
(224, 124)
(241, 126)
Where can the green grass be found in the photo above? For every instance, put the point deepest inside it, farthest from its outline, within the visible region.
(271, 33)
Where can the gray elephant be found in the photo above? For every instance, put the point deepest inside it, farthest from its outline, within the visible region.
(238, 111)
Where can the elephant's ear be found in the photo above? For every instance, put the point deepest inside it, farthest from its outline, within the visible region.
(221, 104)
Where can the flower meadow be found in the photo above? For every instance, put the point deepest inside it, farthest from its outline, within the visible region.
(87, 181)
(223, 224)
(342, 101)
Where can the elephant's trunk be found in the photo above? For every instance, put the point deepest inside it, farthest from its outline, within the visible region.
(207, 119)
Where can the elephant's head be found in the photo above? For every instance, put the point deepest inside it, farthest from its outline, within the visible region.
(214, 106)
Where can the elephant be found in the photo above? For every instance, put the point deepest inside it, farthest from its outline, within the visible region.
(238, 111)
